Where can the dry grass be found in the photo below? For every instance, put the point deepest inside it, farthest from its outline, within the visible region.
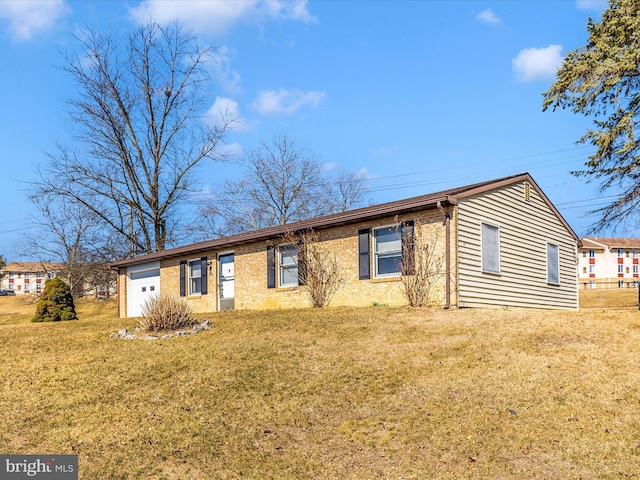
(338, 393)
(608, 298)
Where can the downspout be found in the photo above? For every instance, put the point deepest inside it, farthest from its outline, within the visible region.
(447, 258)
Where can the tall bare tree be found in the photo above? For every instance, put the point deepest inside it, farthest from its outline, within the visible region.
(138, 129)
(68, 234)
(282, 182)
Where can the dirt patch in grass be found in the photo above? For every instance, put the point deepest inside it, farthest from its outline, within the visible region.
(337, 393)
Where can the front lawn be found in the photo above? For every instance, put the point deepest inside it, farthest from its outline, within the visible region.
(340, 393)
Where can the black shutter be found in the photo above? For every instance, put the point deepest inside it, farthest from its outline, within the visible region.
(302, 264)
(408, 247)
(364, 262)
(204, 288)
(271, 266)
(183, 278)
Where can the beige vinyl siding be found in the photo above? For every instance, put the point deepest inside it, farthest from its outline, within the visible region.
(525, 229)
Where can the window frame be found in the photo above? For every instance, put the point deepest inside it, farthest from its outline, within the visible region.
(287, 250)
(390, 253)
(485, 262)
(553, 249)
(191, 278)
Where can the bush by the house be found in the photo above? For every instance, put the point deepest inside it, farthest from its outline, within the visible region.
(164, 312)
(56, 303)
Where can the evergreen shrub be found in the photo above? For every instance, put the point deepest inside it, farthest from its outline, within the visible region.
(56, 303)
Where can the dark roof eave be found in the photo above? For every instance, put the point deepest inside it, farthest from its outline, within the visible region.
(318, 223)
(399, 207)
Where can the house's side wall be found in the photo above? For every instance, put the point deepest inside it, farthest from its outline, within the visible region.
(251, 269)
(170, 282)
(251, 290)
(526, 226)
(121, 287)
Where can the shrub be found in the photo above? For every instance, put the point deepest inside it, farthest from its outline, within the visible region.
(319, 274)
(164, 312)
(56, 303)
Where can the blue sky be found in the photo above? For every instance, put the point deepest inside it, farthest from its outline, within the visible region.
(418, 96)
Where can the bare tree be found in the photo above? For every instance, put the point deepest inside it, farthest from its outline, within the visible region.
(282, 182)
(423, 266)
(139, 131)
(68, 234)
(347, 191)
(318, 271)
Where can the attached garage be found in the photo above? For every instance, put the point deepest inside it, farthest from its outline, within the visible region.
(143, 282)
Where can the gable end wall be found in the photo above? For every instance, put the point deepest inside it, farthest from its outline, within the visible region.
(525, 228)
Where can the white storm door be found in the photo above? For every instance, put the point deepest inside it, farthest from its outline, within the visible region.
(226, 286)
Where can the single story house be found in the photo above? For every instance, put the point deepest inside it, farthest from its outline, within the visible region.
(502, 244)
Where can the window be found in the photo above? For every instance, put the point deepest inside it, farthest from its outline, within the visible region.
(288, 266)
(387, 251)
(592, 253)
(553, 264)
(592, 284)
(195, 277)
(584, 269)
(620, 252)
(592, 269)
(635, 253)
(635, 269)
(490, 249)
(584, 254)
(620, 283)
(620, 268)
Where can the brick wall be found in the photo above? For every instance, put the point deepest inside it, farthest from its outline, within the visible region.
(251, 290)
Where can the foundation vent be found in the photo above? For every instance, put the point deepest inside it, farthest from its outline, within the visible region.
(527, 191)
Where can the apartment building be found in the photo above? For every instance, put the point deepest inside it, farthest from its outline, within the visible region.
(609, 262)
(28, 277)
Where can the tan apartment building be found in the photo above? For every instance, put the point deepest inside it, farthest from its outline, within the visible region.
(28, 277)
(608, 263)
(502, 244)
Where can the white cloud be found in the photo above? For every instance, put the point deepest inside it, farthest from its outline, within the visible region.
(487, 16)
(29, 17)
(330, 166)
(271, 102)
(222, 73)
(382, 152)
(218, 16)
(537, 63)
(227, 110)
(364, 173)
(592, 4)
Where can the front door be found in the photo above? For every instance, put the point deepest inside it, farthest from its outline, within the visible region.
(226, 285)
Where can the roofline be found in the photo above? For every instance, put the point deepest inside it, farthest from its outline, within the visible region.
(445, 198)
(611, 242)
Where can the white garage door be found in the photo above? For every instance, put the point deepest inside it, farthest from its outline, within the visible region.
(143, 282)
